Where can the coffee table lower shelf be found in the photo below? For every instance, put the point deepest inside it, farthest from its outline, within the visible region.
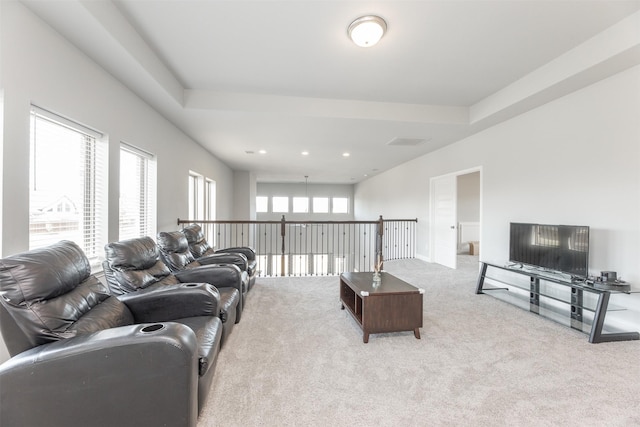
(394, 306)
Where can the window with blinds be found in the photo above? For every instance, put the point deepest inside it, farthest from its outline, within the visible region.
(196, 202)
(67, 197)
(137, 193)
(202, 203)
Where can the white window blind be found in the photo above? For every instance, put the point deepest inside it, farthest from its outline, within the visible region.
(137, 193)
(67, 197)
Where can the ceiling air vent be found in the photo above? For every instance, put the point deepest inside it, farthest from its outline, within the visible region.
(407, 142)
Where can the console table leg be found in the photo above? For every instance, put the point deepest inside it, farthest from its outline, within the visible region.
(576, 308)
(534, 295)
(365, 337)
(598, 318)
(416, 333)
(483, 272)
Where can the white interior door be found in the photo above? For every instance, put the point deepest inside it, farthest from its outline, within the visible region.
(444, 214)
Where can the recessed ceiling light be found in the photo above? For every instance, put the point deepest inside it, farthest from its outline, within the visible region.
(262, 151)
(345, 154)
(305, 153)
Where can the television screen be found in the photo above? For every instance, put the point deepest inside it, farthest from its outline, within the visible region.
(563, 248)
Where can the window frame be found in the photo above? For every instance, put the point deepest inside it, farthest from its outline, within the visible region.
(306, 203)
(145, 180)
(266, 204)
(274, 206)
(315, 206)
(333, 205)
(196, 196)
(91, 199)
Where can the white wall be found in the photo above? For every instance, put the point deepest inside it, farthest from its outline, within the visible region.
(575, 160)
(40, 67)
(244, 198)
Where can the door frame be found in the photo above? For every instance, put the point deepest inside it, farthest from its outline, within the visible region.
(432, 206)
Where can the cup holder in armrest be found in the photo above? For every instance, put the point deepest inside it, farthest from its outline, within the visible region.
(152, 328)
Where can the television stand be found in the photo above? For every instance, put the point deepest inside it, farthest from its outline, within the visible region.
(538, 292)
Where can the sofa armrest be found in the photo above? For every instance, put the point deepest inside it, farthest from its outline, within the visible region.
(245, 250)
(234, 258)
(121, 376)
(219, 275)
(170, 302)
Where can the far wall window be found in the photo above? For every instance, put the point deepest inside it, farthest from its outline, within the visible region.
(262, 204)
(280, 204)
(300, 204)
(320, 204)
(340, 205)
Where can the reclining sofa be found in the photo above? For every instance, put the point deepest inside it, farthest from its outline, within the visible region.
(81, 356)
(203, 253)
(134, 266)
(175, 253)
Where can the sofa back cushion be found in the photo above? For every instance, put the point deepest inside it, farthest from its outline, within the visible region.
(174, 250)
(50, 294)
(196, 240)
(134, 264)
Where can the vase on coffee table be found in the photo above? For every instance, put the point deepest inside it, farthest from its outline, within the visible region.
(377, 279)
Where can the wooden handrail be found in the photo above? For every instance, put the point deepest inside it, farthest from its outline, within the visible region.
(347, 242)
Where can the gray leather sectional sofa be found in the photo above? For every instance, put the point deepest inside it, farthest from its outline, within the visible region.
(82, 356)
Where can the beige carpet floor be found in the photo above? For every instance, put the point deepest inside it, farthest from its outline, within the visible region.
(297, 359)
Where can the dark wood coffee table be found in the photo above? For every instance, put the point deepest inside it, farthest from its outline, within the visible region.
(393, 306)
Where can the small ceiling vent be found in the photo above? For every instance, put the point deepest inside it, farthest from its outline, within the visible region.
(407, 142)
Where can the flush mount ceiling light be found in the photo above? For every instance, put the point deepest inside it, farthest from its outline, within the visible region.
(366, 31)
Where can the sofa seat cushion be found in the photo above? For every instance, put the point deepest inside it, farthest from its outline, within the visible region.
(208, 332)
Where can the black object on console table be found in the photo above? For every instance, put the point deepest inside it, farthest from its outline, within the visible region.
(576, 304)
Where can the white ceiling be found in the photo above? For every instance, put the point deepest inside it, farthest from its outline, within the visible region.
(282, 76)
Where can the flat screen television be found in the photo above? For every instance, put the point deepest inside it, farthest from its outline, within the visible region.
(561, 248)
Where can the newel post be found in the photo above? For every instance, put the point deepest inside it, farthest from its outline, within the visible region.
(283, 233)
(380, 232)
